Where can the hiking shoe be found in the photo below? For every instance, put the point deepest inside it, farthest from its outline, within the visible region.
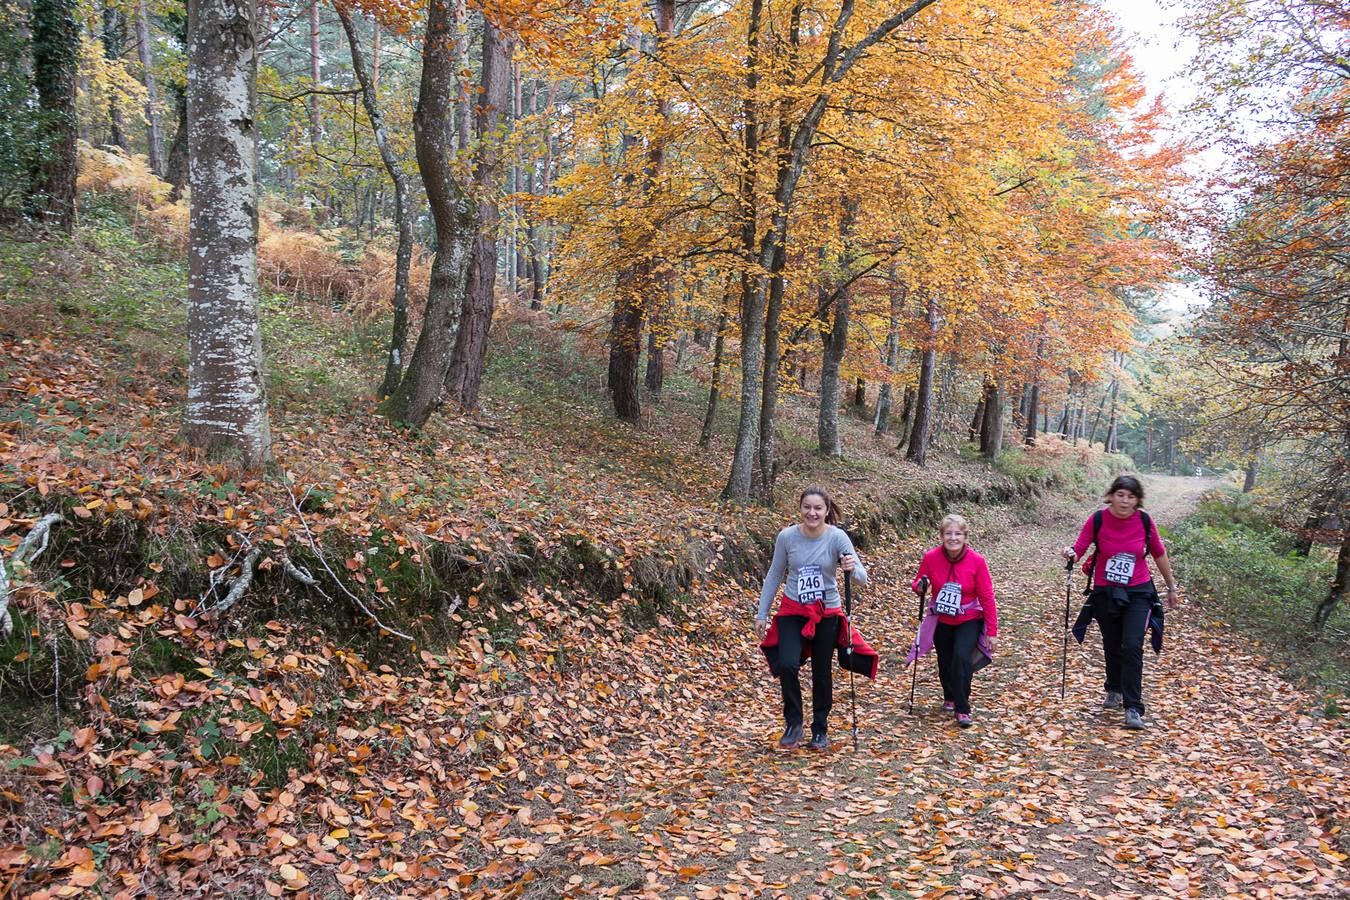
(792, 736)
(820, 741)
(1134, 720)
(1113, 700)
(964, 720)
(949, 706)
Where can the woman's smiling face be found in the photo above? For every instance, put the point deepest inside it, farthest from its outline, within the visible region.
(953, 539)
(814, 509)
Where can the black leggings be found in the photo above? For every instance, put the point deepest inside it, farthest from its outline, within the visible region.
(822, 672)
(955, 644)
(1123, 628)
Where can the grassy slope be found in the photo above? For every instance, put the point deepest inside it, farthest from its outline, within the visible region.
(521, 546)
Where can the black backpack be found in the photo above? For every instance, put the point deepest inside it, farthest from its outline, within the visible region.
(1096, 530)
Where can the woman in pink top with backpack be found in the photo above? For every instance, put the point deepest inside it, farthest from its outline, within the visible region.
(966, 615)
(1123, 594)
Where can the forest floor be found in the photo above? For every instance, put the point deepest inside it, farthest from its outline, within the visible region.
(551, 734)
(1234, 790)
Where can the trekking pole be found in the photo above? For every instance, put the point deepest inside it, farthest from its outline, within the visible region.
(1064, 657)
(914, 673)
(848, 651)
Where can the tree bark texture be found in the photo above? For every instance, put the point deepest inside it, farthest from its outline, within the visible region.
(227, 400)
(710, 412)
(891, 357)
(398, 340)
(56, 55)
(455, 216)
(465, 378)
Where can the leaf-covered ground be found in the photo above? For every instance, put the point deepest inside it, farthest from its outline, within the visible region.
(555, 747)
(1237, 789)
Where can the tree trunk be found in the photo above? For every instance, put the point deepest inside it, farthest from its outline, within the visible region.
(56, 56)
(1033, 407)
(398, 341)
(891, 359)
(1328, 604)
(154, 136)
(454, 215)
(315, 75)
(710, 413)
(923, 401)
(1113, 421)
(1148, 448)
(465, 377)
(539, 242)
(227, 400)
(991, 428)
(906, 413)
(114, 42)
(977, 420)
(656, 356)
(463, 116)
(773, 356)
(836, 342)
(1249, 479)
(753, 300)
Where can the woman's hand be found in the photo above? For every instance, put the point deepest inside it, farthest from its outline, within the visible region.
(1174, 595)
(848, 562)
(761, 628)
(992, 640)
(1068, 554)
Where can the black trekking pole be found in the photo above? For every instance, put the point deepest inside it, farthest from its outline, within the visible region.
(1064, 658)
(914, 674)
(848, 651)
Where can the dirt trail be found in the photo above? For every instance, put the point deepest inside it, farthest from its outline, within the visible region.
(1234, 790)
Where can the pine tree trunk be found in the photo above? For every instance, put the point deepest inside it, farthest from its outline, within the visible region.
(923, 401)
(454, 215)
(154, 136)
(56, 56)
(227, 402)
(398, 340)
(465, 377)
(315, 75)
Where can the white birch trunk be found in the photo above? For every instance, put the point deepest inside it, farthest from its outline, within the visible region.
(227, 402)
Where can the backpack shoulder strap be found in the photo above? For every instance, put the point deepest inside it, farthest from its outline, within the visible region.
(1148, 528)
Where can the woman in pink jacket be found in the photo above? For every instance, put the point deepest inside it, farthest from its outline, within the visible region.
(965, 611)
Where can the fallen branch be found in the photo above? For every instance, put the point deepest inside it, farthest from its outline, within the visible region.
(323, 561)
(240, 583)
(29, 549)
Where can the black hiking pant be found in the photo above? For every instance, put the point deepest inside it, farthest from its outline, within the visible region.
(1123, 627)
(955, 645)
(790, 642)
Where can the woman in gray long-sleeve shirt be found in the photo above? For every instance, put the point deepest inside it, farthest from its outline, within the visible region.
(805, 556)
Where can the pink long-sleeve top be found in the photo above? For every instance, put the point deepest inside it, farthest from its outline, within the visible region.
(1120, 537)
(977, 587)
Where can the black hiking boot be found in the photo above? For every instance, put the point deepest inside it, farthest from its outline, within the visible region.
(820, 741)
(792, 736)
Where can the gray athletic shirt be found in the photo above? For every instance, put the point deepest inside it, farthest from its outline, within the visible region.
(793, 550)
